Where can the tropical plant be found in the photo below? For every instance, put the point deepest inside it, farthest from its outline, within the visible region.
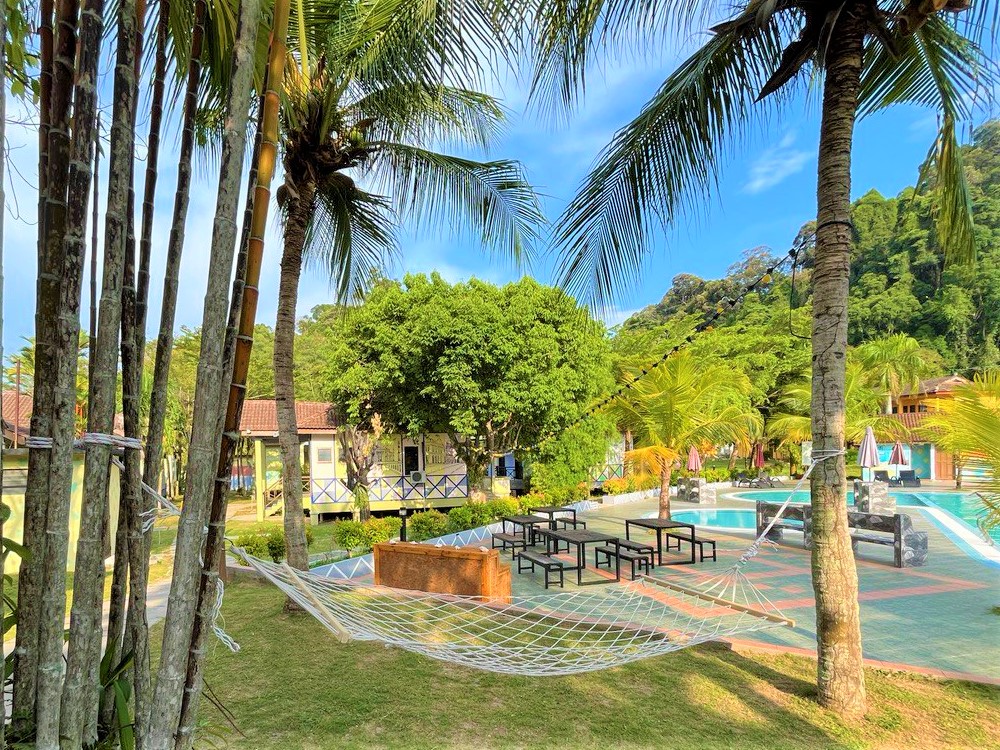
(683, 402)
(790, 422)
(871, 55)
(358, 108)
(893, 364)
(968, 424)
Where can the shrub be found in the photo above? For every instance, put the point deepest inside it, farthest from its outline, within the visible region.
(531, 500)
(351, 535)
(647, 482)
(461, 518)
(348, 535)
(268, 541)
(616, 486)
(426, 525)
(378, 530)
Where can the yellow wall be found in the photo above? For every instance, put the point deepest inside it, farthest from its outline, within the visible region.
(14, 499)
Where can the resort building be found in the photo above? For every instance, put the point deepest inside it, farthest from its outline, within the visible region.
(421, 472)
(927, 459)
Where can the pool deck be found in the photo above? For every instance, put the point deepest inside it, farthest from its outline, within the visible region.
(937, 619)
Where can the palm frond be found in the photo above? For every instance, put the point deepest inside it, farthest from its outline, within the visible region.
(419, 112)
(492, 199)
(564, 35)
(943, 176)
(666, 160)
(352, 234)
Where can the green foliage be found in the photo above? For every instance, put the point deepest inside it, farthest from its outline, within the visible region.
(426, 525)
(494, 367)
(20, 61)
(363, 535)
(566, 460)
(267, 542)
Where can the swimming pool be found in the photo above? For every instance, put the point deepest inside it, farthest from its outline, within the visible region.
(964, 506)
(718, 518)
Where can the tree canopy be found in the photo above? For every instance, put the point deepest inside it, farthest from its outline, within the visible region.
(497, 368)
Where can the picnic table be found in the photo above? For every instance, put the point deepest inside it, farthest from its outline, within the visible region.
(527, 524)
(580, 539)
(551, 510)
(660, 525)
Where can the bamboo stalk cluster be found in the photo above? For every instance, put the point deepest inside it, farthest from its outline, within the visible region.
(93, 695)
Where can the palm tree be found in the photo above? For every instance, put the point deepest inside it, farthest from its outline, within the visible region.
(871, 54)
(790, 422)
(361, 109)
(683, 402)
(969, 426)
(893, 363)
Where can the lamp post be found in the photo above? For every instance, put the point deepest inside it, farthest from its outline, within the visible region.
(402, 529)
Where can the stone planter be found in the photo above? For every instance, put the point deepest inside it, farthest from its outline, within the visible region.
(873, 497)
(696, 490)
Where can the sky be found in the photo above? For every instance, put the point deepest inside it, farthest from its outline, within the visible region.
(767, 191)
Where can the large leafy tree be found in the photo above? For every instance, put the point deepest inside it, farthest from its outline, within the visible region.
(362, 111)
(497, 368)
(870, 55)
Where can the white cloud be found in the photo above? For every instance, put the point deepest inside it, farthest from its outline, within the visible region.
(775, 165)
(615, 316)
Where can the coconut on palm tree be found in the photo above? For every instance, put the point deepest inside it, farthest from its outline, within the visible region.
(869, 55)
(361, 112)
(685, 402)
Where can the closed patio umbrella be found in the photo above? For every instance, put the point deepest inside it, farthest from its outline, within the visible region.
(897, 458)
(868, 450)
(758, 456)
(694, 461)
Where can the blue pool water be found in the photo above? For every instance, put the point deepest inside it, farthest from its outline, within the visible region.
(721, 518)
(964, 506)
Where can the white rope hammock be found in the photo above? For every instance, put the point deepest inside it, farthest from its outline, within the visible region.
(549, 634)
(562, 633)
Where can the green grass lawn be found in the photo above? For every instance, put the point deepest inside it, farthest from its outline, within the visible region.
(294, 686)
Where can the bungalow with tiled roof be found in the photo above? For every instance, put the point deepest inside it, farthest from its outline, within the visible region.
(911, 409)
(421, 472)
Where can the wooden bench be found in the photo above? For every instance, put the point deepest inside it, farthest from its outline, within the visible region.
(642, 559)
(508, 540)
(548, 564)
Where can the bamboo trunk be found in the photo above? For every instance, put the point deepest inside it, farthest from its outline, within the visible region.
(205, 440)
(835, 580)
(36, 491)
(63, 361)
(175, 248)
(233, 149)
(298, 215)
(80, 696)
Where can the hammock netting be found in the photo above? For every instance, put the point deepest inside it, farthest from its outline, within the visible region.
(548, 634)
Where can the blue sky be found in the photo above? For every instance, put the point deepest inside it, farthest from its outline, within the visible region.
(767, 192)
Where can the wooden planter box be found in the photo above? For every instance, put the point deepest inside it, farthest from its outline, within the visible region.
(468, 571)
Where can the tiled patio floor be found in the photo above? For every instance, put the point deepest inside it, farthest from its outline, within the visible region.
(936, 618)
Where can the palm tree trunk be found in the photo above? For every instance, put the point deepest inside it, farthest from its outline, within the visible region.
(80, 696)
(664, 504)
(296, 223)
(206, 431)
(835, 580)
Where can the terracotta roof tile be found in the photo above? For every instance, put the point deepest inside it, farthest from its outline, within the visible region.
(260, 417)
(12, 404)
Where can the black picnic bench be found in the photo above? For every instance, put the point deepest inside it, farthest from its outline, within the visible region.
(909, 546)
(636, 554)
(547, 563)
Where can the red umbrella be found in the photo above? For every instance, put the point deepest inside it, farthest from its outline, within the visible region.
(758, 456)
(897, 457)
(694, 461)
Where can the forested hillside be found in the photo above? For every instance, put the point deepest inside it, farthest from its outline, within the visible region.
(901, 282)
